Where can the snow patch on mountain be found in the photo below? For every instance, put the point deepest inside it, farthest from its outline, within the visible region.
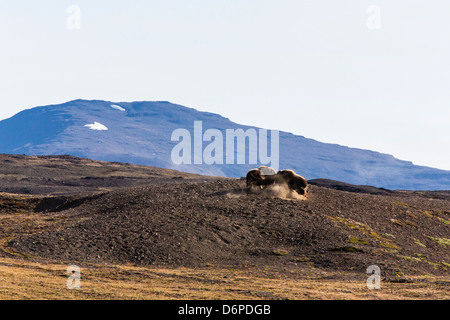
(114, 106)
(97, 126)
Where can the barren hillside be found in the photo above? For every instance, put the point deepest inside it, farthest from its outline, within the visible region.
(210, 221)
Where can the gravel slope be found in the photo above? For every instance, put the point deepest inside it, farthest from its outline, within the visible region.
(218, 223)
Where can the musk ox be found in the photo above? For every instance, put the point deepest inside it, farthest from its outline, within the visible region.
(293, 180)
(261, 177)
(265, 176)
(254, 178)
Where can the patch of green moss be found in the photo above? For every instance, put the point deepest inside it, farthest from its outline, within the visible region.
(280, 252)
(402, 204)
(442, 241)
(348, 249)
(443, 220)
(419, 243)
(398, 272)
(389, 245)
(365, 229)
(412, 259)
(355, 240)
(300, 259)
(426, 213)
(434, 264)
(422, 258)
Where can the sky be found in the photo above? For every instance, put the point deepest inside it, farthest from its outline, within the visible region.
(366, 74)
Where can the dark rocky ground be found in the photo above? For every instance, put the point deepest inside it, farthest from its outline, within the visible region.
(68, 175)
(152, 219)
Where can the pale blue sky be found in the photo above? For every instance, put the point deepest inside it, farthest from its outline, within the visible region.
(312, 68)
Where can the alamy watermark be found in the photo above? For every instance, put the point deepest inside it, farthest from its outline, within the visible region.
(374, 281)
(373, 21)
(213, 147)
(74, 279)
(73, 21)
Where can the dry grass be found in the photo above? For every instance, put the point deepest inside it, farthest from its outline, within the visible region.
(23, 279)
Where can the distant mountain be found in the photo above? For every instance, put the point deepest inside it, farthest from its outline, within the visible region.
(141, 133)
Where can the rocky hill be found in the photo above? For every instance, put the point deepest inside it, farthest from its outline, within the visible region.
(175, 219)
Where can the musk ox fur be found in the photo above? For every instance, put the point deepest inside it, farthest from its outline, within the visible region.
(254, 178)
(261, 177)
(294, 181)
(265, 176)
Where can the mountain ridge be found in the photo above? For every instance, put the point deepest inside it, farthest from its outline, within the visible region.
(141, 134)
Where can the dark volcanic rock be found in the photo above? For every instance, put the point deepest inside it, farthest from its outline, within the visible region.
(201, 223)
